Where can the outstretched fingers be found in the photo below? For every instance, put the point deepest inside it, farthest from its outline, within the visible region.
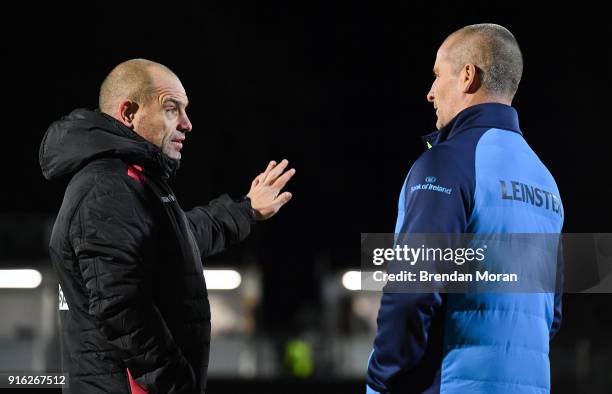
(275, 172)
(283, 199)
(280, 183)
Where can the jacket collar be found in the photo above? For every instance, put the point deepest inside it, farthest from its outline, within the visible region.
(155, 160)
(487, 115)
(73, 141)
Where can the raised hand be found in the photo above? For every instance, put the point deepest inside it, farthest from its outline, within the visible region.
(265, 189)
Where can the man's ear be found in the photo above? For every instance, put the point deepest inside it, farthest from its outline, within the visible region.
(126, 112)
(470, 78)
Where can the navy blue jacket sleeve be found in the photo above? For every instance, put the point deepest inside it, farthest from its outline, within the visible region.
(436, 198)
(556, 323)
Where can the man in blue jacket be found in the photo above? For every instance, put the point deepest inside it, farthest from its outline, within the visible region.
(472, 342)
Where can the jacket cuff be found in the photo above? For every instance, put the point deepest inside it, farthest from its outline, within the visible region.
(245, 206)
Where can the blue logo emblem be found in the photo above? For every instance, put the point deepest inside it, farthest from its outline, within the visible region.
(431, 179)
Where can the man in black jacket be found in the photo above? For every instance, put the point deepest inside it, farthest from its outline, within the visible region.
(134, 314)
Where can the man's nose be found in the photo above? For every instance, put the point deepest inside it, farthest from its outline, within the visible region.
(185, 124)
(430, 96)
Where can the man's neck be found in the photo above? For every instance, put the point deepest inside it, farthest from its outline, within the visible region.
(476, 99)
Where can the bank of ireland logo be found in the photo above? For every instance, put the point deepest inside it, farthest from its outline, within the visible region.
(430, 184)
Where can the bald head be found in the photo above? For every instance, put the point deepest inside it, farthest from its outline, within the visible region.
(494, 51)
(148, 98)
(132, 80)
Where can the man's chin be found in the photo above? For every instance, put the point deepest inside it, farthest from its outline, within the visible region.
(174, 155)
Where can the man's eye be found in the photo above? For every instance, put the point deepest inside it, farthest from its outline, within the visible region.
(171, 109)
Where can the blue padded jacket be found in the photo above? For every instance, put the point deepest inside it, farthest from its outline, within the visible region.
(472, 342)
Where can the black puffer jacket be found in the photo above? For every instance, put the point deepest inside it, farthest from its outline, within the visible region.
(128, 259)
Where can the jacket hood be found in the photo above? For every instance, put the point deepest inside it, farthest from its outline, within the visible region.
(83, 136)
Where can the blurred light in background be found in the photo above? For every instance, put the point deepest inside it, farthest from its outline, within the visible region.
(298, 358)
(222, 279)
(351, 280)
(20, 279)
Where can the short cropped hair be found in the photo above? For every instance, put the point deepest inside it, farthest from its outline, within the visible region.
(494, 51)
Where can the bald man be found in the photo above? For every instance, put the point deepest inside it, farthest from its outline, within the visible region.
(472, 342)
(134, 308)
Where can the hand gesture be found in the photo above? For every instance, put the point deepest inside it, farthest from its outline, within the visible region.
(265, 189)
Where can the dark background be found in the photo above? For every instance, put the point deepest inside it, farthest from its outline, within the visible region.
(339, 90)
